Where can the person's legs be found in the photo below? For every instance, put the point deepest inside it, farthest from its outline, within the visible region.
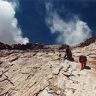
(81, 66)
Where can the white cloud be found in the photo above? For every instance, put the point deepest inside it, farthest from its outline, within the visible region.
(9, 31)
(70, 32)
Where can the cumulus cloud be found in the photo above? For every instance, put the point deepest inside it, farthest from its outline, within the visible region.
(9, 31)
(70, 32)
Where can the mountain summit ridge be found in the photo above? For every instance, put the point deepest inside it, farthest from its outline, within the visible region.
(38, 46)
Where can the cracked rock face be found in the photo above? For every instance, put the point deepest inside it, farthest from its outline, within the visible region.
(47, 73)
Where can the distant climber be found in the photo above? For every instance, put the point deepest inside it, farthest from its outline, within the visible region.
(68, 54)
(83, 61)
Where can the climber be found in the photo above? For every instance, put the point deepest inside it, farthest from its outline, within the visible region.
(68, 54)
(83, 60)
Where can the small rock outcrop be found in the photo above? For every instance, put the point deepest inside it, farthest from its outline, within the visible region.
(87, 42)
(5, 46)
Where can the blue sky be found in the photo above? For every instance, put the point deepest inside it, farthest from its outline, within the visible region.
(32, 15)
(56, 21)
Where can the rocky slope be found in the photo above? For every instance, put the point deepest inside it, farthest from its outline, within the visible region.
(45, 73)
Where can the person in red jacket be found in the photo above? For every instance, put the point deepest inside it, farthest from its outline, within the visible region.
(68, 54)
(83, 61)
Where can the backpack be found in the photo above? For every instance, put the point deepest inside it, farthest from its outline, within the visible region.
(82, 58)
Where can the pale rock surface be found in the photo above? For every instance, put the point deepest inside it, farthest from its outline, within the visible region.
(46, 74)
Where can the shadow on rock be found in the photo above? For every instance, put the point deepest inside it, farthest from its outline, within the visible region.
(70, 59)
(87, 67)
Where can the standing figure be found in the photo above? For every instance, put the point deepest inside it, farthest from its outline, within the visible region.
(83, 60)
(68, 54)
